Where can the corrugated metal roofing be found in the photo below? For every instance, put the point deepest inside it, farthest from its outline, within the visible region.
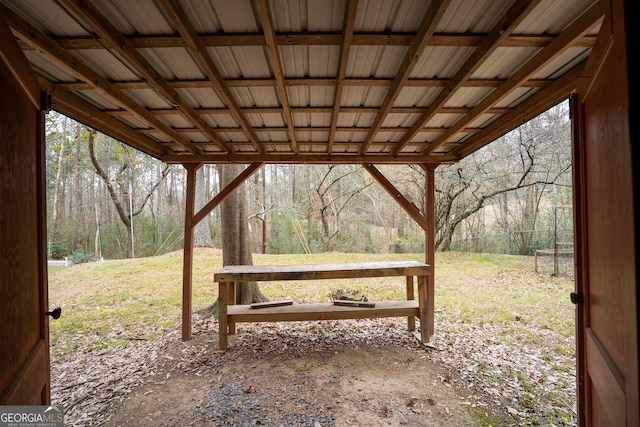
(257, 80)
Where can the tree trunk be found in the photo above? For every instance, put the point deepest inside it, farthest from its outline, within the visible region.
(202, 231)
(56, 189)
(235, 238)
(235, 234)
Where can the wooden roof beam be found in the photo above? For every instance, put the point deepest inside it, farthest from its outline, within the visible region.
(316, 129)
(427, 28)
(113, 39)
(308, 158)
(266, 20)
(93, 80)
(349, 23)
(585, 23)
(199, 51)
(501, 30)
(307, 110)
(310, 81)
(318, 38)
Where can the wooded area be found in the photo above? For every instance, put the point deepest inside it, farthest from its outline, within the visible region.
(95, 184)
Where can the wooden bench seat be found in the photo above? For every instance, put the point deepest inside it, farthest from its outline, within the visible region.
(321, 311)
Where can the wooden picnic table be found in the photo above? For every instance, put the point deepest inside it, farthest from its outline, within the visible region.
(230, 314)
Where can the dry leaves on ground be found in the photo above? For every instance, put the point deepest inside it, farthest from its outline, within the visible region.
(509, 379)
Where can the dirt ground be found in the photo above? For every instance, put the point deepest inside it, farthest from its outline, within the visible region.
(361, 381)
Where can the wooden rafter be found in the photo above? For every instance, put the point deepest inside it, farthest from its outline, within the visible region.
(427, 28)
(349, 22)
(264, 13)
(320, 38)
(500, 31)
(14, 60)
(199, 51)
(113, 39)
(581, 26)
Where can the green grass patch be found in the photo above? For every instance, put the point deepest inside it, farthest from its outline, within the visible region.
(143, 296)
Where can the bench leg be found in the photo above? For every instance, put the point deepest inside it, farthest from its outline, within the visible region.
(431, 309)
(423, 301)
(411, 320)
(232, 301)
(222, 314)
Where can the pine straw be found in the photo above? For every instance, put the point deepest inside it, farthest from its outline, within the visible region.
(510, 380)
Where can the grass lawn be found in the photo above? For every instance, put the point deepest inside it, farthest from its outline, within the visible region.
(133, 299)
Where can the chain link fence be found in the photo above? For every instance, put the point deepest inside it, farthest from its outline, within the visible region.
(552, 251)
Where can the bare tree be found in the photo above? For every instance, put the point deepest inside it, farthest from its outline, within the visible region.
(521, 164)
(117, 186)
(331, 198)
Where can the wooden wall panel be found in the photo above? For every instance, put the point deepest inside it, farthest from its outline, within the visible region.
(24, 344)
(608, 226)
(18, 228)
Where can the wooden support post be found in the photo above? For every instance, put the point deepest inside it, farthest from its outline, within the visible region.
(187, 268)
(430, 240)
(411, 320)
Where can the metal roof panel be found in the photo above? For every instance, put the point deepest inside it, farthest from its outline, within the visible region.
(503, 62)
(552, 16)
(241, 62)
(309, 44)
(478, 16)
(201, 97)
(363, 96)
(173, 63)
(106, 64)
(148, 98)
(49, 69)
(255, 96)
(441, 61)
(48, 16)
(375, 61)
(390, 15)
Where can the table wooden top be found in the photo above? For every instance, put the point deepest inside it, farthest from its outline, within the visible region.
(248, 273)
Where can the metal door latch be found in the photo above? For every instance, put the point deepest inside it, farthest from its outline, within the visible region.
(576, 298)
(55, 313)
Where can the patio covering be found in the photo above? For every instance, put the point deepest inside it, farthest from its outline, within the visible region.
(305, 81)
